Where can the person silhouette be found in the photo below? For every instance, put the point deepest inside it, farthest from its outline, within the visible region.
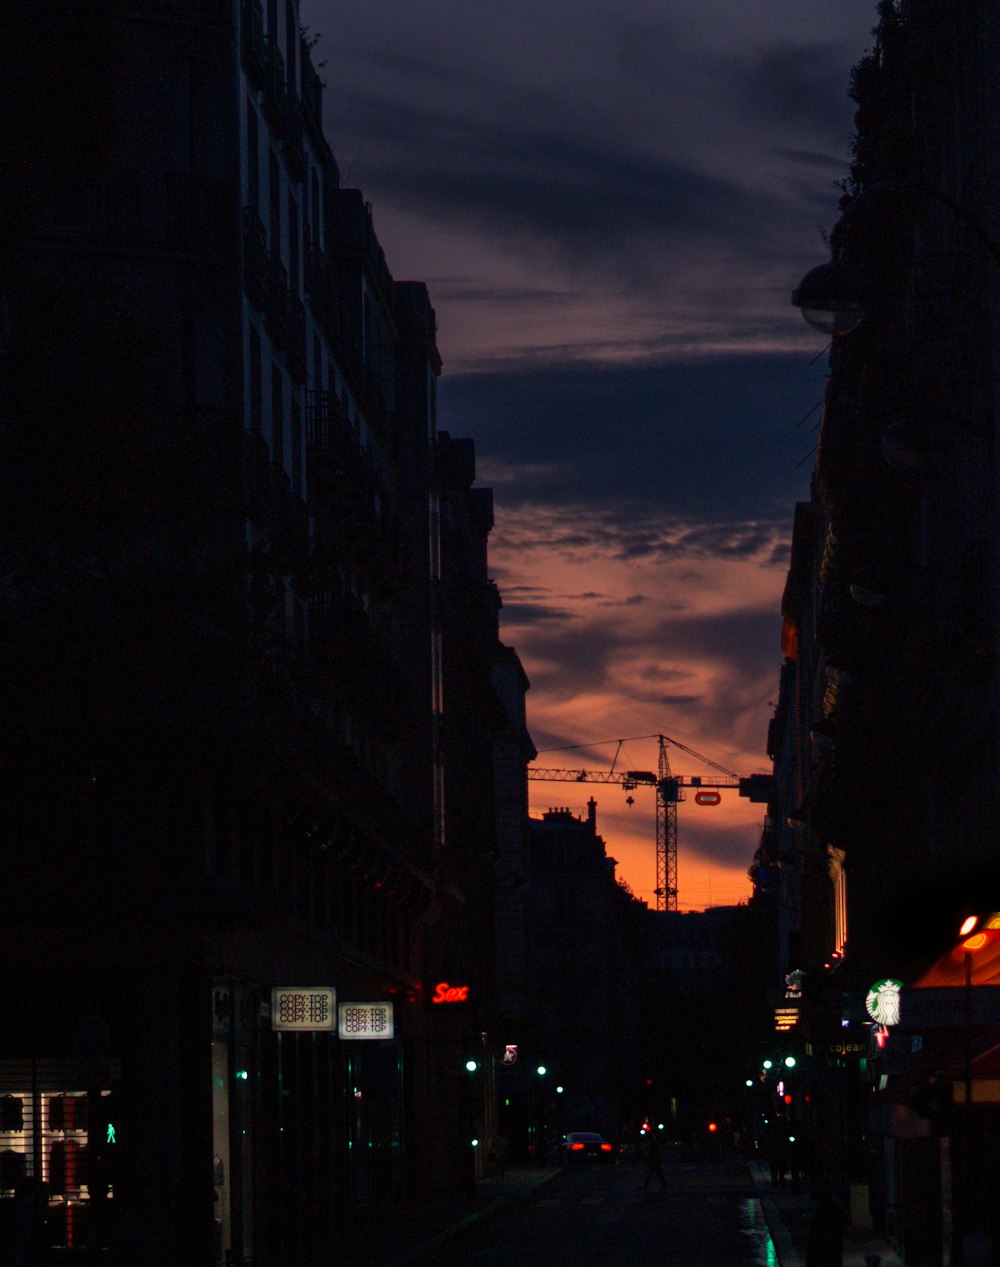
(654, 1164)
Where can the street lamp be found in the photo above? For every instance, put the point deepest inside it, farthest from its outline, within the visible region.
(833, 298)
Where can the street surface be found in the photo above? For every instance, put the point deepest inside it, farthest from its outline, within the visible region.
(708, 1216)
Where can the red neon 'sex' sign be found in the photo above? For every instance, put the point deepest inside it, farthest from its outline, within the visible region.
(446, 993)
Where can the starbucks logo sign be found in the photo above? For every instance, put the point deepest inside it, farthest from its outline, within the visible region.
(882, 1001)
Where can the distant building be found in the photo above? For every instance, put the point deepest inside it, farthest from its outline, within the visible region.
(585, 946)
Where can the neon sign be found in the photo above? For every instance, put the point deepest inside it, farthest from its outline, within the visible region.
(445, 993)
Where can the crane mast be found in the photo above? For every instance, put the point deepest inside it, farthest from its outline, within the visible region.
(666, 837)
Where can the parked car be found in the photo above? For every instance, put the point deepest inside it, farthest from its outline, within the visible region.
(587, 1146)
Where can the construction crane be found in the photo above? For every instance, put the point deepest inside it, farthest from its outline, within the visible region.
(670, 789)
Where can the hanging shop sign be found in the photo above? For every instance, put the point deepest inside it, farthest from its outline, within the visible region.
(509, 1056)
(365, 1020)
(303, 1008)
(882, 1001)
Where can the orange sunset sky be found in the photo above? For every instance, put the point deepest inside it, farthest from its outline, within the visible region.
(649, 684)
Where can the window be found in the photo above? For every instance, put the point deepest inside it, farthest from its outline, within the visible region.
(277, 418)
(253, 160)
(256, 421)
(296, 427)
(274, 198)
(291, 42)
(293, 243)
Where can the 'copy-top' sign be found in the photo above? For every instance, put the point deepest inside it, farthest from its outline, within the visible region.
(365, 1020)
(303, 1008)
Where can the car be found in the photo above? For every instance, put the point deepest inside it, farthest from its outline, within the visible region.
(587, 1146)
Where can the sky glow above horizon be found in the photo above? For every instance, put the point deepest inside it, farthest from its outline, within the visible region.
(610, 204)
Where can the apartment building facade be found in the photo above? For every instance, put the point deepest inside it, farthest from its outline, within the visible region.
(223, 693)
(885, 735)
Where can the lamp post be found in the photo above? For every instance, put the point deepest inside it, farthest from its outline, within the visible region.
(969, 944)
(833, 297)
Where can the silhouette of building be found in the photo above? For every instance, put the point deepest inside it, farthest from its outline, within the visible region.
(885, 735)
(585, 948)
(226, 634)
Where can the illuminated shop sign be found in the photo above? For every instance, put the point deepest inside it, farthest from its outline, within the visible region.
(785, 1018)
(365, 1020)
(447, 993)
(882, 1001)
(303, 1008)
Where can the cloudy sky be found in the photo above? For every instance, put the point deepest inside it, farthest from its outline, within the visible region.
(610, 201)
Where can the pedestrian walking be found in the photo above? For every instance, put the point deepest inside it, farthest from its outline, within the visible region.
(654, 1163)
(776, 1151)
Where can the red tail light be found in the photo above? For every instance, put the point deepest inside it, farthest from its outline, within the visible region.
(605, 1148)
(576, 1148)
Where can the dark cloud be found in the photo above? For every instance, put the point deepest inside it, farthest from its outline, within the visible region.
(804, 82)
(705, 441)
(518, 173)
(743, 640)
(633, 600)
(534, 613)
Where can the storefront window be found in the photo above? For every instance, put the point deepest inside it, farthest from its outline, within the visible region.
(57, 1152)
(234, 1079)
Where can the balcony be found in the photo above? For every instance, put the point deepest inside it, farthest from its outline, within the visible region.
(278, 101)
(312, 96)
(268, 500)
(297, 338)
(324, 300)
(337, 471)
(256, 260)
(253, 43)
(276, 312)
(295, 153)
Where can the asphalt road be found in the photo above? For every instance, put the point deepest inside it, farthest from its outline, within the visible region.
(708, 1216)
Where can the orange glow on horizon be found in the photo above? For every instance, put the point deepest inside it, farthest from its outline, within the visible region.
(615, 644)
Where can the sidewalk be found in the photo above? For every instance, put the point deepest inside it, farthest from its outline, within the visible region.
(409, 1233)
(788, 1215)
